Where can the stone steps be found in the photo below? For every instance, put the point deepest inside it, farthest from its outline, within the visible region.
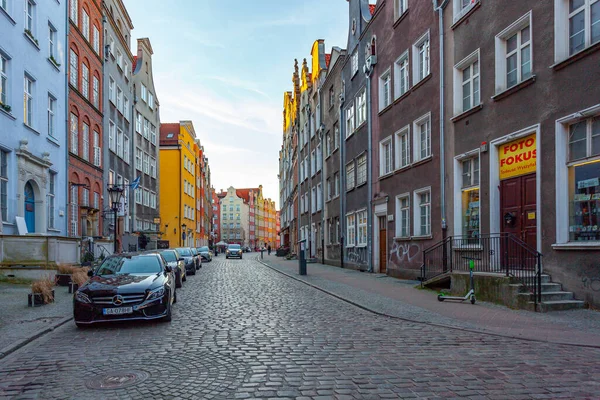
(553, 297)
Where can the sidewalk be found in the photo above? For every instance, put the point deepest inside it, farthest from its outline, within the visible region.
(19, 324)
(399, 298)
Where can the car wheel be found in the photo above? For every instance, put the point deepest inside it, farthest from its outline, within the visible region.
(81, 326)
(193, 272)
(179, 282)
(168, 317)
(175, 297)
(184, 278)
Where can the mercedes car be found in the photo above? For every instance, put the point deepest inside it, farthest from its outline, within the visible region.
(205, 253)
(189, 260)
(175, 261)
(233, 251)
(126, 287)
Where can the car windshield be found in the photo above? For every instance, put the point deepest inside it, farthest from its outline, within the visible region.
(234, 246)
(169, 255)
(135, 265)
(194, 251)
(203, 249)
(184, 251)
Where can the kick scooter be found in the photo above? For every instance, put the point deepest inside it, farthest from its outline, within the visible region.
(471, 294)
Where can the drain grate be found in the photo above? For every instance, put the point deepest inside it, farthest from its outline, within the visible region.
(117, 380)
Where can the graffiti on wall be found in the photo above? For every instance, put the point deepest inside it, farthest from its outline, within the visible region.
(591, 283)
(357, 255)
(405, 254)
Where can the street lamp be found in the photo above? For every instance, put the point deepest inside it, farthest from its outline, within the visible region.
(183, 228)
(115, 192)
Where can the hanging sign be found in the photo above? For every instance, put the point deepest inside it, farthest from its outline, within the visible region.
(518, 157)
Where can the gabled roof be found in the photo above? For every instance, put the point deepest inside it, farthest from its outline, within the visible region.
(372, 8)
(245, 193)
(169, 134)
(135, 58)
(327, 60)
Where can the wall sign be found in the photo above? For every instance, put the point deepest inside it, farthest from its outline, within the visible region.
(518, 157)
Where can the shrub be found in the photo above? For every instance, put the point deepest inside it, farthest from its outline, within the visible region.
(80, 276)
(65, 269)
(44, 287)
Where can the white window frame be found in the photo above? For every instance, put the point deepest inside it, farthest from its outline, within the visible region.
(350, 176)
(138, 123)
(562, 16)
(144, 93)
(85, 138)
(120, 142)
(362, 172)
(96, 39)
(74, 11)
(417, 214)
(460, 9)
(126, 108)
(336, 184)
(361, 228)
(112, 93)
(97, 149)
(350, 230)
(402, 74)
(329, 188)
(350, 122)
(398, 162)
(138, 159)
(119, 99)
(385, 80)
(51, 41)
(386, 169)
(460, 187)
(402, 215)
(85, 81)
(51, 115)
(28, 103)
(417, 138)
(501, 56)
(459, 82)
(74, 133)
(421, 50)
(4, 81)
(400, 7)
(361, 107)
(85, 25)
(354, 62)
(29, 21)
(95, 91)
(51, 198)
(73, 68)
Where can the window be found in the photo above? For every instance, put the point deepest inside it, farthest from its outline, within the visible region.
(470, 197)
(96, 200)
(112, 145)
(361, 217)
(126, 69)
(400, 7)
(153, 167)
(97, 149)
(350, 121)
(73, 66)
(138, 195)
(403, 216)
(138, 123)
(85, 25)
(85, 81)
(385, 157)
(331, 97)
(361, 170)
(144, 93)
(423, 212)
(328, 144)
(74, 134)
(336, 184)
(73, 11)
(152, 134)
(119, 142)
(466, 83)
(319, 197)
(350, 230)
(462, 7)
(28, 101)
(29, 9)
(354, 62)
(3, 5)
(336, 137)
(402, 146)
(361, 107)
(126, 108)
(74, 215)
(51, 115)
(146, 164)
(313, 163)
(401, 81)
(350, 176)
(120, 59)
(513, 54)
(146, 128)
(85, 132)
(96, 39)
(147, 199)
(3, 79)
(119, 99)
(582, 25)
(385, 80)
(150, 100)
(328, 188)
(112, 94)
(3, 185)
(85, 198)
(319, 157)
(51, 200)
(421, 58)
(313, 200)
(96, 92)
(422, 138)
(111, 45)
(51, 41)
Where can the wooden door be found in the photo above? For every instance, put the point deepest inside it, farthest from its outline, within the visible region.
(382, 245)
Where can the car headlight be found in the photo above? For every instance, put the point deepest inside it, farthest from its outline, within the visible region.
(82, 297)
(156, 293)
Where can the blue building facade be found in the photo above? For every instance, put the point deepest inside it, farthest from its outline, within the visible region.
(33, 100)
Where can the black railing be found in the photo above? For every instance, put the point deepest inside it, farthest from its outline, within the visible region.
(493, 253)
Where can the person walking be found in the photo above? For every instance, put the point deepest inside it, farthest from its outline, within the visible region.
(269, 249)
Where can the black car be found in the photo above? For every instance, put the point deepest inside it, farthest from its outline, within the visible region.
(175, 261)
(205, 253)
(189, 259)
(126, 287)
(233, 250)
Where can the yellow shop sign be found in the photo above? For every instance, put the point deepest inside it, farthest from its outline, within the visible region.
(518, 157)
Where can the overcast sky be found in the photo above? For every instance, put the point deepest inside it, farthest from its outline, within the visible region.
(225, 64)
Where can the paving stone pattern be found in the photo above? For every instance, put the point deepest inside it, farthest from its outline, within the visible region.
(242, 331)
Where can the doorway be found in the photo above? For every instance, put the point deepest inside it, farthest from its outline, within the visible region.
(518, 208)
(29, 207)
(382, 245)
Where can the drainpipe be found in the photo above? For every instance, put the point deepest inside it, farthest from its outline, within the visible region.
(368, 74)
(298, 160)
(323, 187)
(342, 178)
(310, 178)
(440, 10)
(67, 130)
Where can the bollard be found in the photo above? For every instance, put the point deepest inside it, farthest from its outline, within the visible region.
(261, 253)
(302, 259)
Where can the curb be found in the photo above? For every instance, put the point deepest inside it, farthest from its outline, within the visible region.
(20, 343)
(437, 325)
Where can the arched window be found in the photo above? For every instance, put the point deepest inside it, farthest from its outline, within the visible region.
(85, 78)
(74, 66)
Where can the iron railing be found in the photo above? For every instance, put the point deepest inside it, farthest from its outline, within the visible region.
(493, 253)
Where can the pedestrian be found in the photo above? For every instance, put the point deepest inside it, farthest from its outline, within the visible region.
(269, 249)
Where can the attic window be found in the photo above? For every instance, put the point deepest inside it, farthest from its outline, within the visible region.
(169, 136)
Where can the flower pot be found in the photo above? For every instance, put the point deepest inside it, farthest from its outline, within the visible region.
(63, 279)
(36, 299)
(73, 287)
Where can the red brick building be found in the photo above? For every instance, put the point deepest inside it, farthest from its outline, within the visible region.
(85, 41)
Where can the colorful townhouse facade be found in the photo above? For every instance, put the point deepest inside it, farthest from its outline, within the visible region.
(215, 218)
(33, 106)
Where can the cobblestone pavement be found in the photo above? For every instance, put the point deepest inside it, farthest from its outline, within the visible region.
(241, 330)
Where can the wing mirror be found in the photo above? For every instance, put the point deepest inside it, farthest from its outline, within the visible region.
(168, 268)
(181, 259)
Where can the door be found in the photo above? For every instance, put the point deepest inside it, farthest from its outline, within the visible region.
(382, 245)
(29, 208)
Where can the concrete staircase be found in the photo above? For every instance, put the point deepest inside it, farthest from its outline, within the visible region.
(553, 297)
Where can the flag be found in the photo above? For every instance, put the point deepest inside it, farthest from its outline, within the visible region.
(135, 184)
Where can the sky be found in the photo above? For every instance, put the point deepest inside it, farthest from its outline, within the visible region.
(225, 65)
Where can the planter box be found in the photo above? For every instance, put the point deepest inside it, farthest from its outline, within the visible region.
(63, 279)
(73, 287)
(36, 299)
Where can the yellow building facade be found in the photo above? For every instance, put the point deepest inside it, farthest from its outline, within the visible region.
(178, 183)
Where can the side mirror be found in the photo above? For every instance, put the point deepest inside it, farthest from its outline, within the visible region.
(168, 268)
(90, 273)
(181, 259)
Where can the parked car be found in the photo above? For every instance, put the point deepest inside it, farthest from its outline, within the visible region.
(205, 253)
(129, 286)
(175, 261)
(233, 250)
(197, 258)
(189, 260)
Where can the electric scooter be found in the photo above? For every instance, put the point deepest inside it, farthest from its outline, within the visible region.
(471, 294)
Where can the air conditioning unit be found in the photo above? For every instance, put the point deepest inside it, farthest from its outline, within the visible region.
(371, 61)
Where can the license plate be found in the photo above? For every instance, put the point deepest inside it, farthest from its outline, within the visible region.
(118, 311)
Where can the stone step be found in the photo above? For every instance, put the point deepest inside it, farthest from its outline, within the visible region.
(560, 305)
(552, 296)
(551, 287)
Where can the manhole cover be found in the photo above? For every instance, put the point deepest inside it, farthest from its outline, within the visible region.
(117, 380)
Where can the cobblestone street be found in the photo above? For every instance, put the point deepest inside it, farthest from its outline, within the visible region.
(241, 330)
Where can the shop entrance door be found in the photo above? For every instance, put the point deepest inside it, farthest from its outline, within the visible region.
(519, 208)
(382, 245)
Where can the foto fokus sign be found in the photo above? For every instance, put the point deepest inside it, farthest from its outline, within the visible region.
(518, 157)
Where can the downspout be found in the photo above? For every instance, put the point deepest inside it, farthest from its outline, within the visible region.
(440, 10)
(323, 186)
(310, 183)
(67, 130)
(299, 185)
(342, 178)
(368, 73)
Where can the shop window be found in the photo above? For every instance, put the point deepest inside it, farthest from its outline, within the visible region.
(470, 197)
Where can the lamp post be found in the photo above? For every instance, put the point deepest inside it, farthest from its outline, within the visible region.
(183, 232)
(115, 192)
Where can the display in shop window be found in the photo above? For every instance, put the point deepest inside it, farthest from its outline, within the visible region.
(585, 202)
(471, 213)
